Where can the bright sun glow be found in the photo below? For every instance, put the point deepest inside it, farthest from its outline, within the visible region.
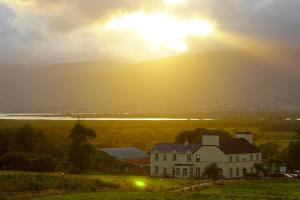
(174, 2)
(160, 30)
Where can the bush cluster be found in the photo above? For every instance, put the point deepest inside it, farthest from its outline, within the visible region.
(22, 161)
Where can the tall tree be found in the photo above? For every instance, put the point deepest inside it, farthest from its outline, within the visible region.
(294, 152)
(81, 151)
(27, 140)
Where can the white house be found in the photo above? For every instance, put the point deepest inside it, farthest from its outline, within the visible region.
(234, 156)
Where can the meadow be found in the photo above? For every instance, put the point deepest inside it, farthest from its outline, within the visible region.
(231, 190)
(144, 134)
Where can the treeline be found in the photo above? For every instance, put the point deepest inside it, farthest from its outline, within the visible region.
(30, 149)
(26, 149)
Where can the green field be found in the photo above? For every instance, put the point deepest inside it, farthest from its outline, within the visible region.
(240, 189)
(135, 133)
(51, 186)
(14, 184)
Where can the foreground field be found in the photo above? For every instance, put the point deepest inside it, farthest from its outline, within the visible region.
(265, 189)
(24, 185)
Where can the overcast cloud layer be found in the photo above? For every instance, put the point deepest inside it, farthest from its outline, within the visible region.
(52, 31)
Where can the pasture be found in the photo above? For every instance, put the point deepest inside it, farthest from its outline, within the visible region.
(232, 190)
(144, 134)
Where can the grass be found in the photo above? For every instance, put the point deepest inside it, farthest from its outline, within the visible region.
(151, 184)
(232, 190)
(24, 184)
(21, 182)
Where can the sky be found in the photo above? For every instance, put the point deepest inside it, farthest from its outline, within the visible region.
(34, 32)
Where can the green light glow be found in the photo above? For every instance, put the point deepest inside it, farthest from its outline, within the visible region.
(140, 184)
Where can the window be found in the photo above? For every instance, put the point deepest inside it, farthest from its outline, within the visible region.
(244, 158)
(251, 170)
(257, 157)
(165, 171)
(156, 157)
(244, 171)
(198, 158)
(230, 172)
(237, 172)
(156, 169)
(177, 171)
(174, 157)
(198, 172)
(191, 171)
(251, 157)
(189, 157)
(230, 158)
(165, 157)
(184, 172)
(237, 158)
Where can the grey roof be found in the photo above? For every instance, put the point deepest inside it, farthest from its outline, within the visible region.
(237, 146)
(127, 153)
(176, 147)
(227, 145)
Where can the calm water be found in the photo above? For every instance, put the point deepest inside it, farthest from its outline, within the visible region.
(56, 117)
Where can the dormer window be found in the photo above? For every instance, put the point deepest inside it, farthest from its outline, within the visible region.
(174, 157)
(156, 157)
(237, 158)
(165, 157)
(230, 158)
(244, 158)
(189, 157)
(198, 158)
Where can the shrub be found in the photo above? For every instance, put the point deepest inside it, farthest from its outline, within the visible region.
(43, 164)
(14, 161)
(212, 171)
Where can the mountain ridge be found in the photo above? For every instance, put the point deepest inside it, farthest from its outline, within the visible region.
(223, 80)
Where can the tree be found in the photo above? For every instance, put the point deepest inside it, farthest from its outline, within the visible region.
(81, 151)
(4, 142)
(43, 164)
(294, 152)
(259, 168)
(212, 171)
(273, 154)
(27, 140)
(195, 136)
(14, 161)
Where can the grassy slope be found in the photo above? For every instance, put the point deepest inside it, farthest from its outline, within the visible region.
(232, 190)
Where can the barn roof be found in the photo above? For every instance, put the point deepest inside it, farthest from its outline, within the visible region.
(126, 153)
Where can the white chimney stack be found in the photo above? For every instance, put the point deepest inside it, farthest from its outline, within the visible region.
(246, 135)
(211, 140)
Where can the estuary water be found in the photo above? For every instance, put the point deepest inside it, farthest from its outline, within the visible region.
(58, 117)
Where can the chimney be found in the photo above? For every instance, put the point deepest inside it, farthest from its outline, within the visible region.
(246, 135)
(211, 140)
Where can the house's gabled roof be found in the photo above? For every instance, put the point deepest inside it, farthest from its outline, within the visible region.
(227, 146)
(182, 148)
(127, 153)
(237, 146)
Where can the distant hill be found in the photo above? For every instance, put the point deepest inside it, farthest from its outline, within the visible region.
(225, 80)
